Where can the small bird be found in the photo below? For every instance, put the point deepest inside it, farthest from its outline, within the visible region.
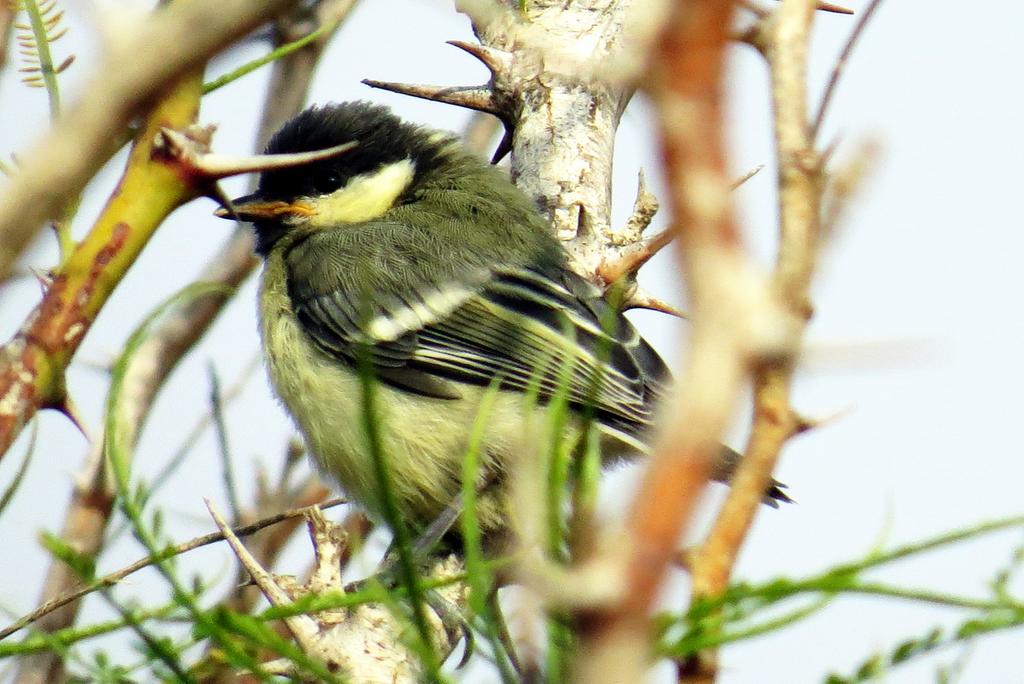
(412, 257)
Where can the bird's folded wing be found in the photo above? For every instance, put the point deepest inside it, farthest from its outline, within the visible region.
(524, 327)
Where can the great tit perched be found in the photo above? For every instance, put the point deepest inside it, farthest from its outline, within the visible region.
(412, 256)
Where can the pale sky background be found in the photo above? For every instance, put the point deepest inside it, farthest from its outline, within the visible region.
(916, 339)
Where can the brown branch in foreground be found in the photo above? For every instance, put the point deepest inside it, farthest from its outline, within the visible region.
(726, 301)
(800, 181)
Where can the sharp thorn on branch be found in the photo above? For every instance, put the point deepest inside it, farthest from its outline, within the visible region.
(504, 146)
(820, 6)
(642, 299)
(802, 423)
(44, 278)
(645, 207)
(67, 406)
(632, 258)
(480, 98)
(641, 184)
(216, 166)
(496, 61)
(836, 9)
(193, 156)
(745, 177)
(652, 247)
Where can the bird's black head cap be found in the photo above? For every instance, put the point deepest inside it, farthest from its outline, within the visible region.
(382, 139)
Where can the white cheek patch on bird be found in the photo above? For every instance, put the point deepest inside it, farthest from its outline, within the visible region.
(364, 198)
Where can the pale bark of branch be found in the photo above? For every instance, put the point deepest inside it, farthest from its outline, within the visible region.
(364, 644)
(564, 79)
(565, 112)
(561, 76)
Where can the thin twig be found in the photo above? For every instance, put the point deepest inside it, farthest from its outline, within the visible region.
(302, 627)
(184, 547)
(840, 64)
(747, 176)
(223, 446)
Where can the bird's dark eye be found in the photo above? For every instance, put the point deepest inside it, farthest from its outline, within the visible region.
(332, 181)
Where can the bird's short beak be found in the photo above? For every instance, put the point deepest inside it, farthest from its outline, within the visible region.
(253, 208)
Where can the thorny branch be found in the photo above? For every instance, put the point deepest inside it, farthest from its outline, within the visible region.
(32, 364)
(740, 321)
(139, 65)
